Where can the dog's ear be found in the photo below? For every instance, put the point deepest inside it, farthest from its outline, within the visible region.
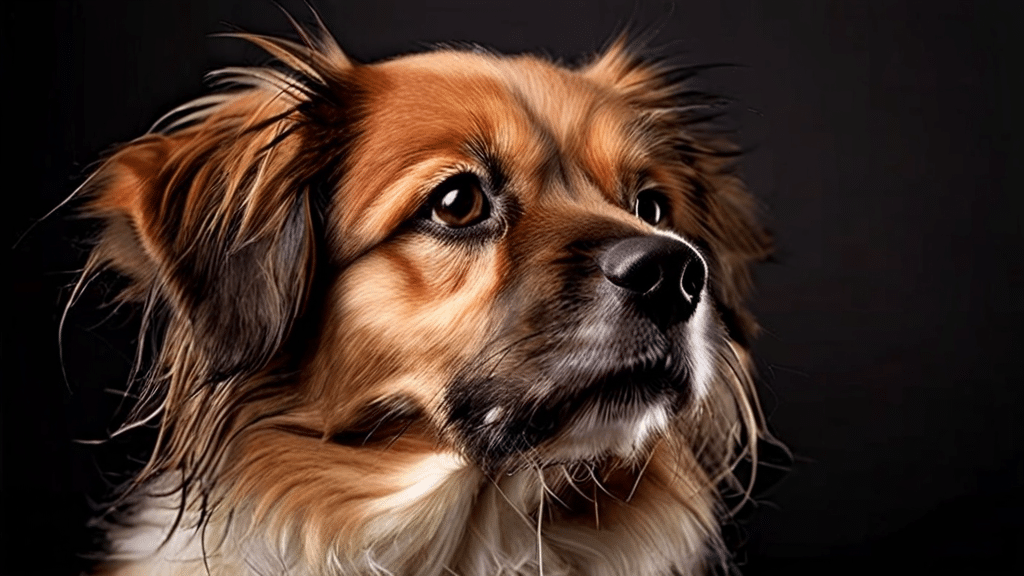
(215, 223)
(212, 216)
(720, 211)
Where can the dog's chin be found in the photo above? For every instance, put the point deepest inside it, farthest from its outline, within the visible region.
(621, 416)
(625, 433)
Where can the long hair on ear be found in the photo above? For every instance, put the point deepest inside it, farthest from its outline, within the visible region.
(211, 216)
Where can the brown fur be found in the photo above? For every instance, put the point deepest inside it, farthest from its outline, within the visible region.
(308, 336)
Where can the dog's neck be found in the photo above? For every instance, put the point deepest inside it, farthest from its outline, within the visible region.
(450, 518)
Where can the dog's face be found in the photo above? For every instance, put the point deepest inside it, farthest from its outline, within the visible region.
(521, 276)
(495, 260)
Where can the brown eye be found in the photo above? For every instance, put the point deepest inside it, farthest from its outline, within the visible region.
(651, 207)
(459, 201)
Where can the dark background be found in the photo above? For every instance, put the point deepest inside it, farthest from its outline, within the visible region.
(882, 142)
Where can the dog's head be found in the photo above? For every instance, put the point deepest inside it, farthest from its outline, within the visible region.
(500, 258)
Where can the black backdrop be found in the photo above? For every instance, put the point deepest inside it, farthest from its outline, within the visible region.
(883, 141)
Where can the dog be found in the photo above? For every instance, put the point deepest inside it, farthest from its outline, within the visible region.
(450, 313)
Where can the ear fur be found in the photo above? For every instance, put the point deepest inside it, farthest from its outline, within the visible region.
(231, 258)
(213, 217)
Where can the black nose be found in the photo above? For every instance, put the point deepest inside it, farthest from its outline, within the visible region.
(664, 273)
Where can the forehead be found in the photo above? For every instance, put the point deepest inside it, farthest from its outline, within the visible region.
(426, 114)
(519, 106)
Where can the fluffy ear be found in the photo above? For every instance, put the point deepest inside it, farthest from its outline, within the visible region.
(212, 216)
(619, 67)
(720, 212)
(215, 223)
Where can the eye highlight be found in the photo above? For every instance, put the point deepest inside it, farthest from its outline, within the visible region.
(459, 201)
(651, 206)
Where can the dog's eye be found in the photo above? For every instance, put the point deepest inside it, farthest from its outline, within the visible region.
(651, 207)
(459, 201)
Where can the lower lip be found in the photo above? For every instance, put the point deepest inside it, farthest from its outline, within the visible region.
(624, 434)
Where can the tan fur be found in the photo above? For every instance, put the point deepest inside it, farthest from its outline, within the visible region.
(244, 447)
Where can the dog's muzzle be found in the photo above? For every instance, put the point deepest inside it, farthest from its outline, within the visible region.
(602, 368)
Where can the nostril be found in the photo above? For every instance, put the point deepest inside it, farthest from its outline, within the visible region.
(631, 264)
(635, 274)
(693, 278)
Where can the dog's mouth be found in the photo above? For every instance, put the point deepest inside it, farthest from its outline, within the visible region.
(583, 417)
(641, 384)
(620, 413)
